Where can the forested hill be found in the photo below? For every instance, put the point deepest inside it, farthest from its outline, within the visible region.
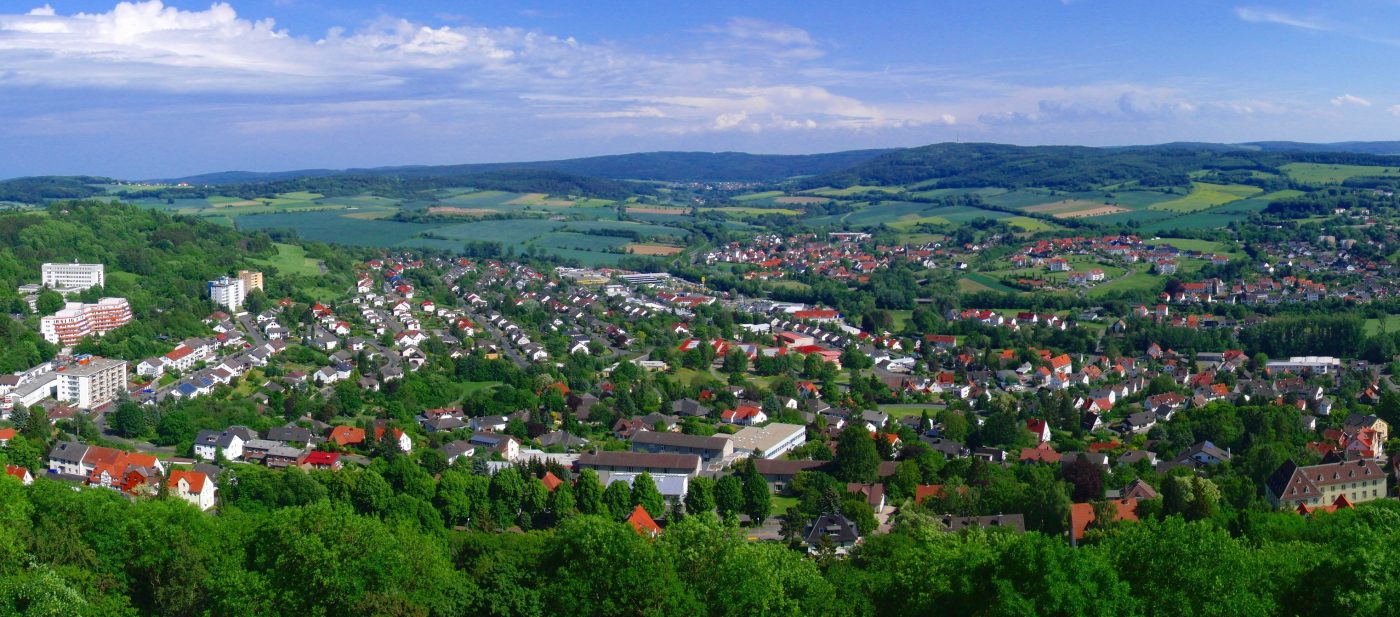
(37, 189)
(514, 180)
(1069, 167)
(655, 166)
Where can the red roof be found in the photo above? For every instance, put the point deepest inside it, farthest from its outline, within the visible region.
(7, 434)
(347, 435)
(317, 457)
(1081, 514)
(643, 523)
(551, 481)
(194, 478)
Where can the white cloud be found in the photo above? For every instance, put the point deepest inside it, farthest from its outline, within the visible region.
(1270, 16)
(1349, 99)
(1394, 110)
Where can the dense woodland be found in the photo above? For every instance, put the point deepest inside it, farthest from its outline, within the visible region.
(325, 553)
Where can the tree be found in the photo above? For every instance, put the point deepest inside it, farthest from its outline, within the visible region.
(645, 494)
(617, 500)
(588, 493)
(1047, 505)
(758, 499)
(729, 496)
(130, 419)
(561, 502)
(1086, 478)
(19, 415)
(506, 492)
(857, 459)
(433, 461)
(49, 302)
(701, 496)
(735, 362)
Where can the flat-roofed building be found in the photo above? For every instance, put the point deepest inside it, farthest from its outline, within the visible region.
(227, 292)
(72, 277)
(770, 441)
(686, 464)
(707, 448)
(91, 382)
(252, 279)
(77, 320)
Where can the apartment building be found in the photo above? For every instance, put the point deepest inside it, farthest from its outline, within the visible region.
(228, 292)
(91, 382)
(1356, 481)
(77, 320)
(251, 280)
(72, 277)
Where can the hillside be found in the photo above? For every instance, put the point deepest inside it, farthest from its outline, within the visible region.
(654, 166)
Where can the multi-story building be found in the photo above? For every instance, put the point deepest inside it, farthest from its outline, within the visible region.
(72, 277)
(251, 280)
(1357, 481)
(227, 292)
(77, 320)
(91, 382)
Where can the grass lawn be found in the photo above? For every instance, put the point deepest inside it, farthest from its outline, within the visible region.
(901, 317)
(292, 260)
(781, 504)
(1029, 224)
(910, 409)
(1392, 324)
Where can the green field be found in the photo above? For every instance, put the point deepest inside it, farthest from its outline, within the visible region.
(1192, 244)
(763, 195)
(1204, 196)
(1319, 173)
(583, 242)
(909, 409)
(744, 210)
(292, 260)
(852, 190)
(976, 281)
(1029, 224)
(1391, 323)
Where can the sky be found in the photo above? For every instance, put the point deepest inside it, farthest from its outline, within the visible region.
(165, 88)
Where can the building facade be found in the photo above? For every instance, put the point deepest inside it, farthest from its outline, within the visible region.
(251, 280)
(77, 320)
(227, 292)
(1358, 481)
(92, 382)
(72, 277)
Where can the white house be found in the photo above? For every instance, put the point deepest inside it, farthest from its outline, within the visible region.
(192, 486)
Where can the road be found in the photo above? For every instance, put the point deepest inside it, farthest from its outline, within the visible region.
(506, 347)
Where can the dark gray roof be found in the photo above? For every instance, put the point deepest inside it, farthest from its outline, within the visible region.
(1014, 522)
(679, 440)
(834, 529)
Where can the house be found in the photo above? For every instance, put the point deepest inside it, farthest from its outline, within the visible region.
(642, 523)
(347, 436)
(1358, 481)
(457, 449)
(689, 408)
(192, 486)
(209, 445)
(1204, 453)
(744, 415)
(505, 445)
(319, 460)
(6, 434)
(831, 532)
(873, 494)
(401, 439)
(19, 473)
(1081, 515)
(1040, 428)
(1139, 422)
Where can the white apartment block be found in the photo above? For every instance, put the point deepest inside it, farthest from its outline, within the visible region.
(91, 382)
(228, 292)
(74, 276)
(77, 320)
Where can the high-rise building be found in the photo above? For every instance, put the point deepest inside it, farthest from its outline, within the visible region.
(77, 320)
(91, 382)
(72, 277)
(227, 292)
(251, 280)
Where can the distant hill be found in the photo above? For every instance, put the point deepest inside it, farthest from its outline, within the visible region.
(1358, 147)
(653, 166)
(38, 189)
(1078, 168)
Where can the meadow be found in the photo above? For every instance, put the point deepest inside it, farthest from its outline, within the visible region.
(1320, 173)
(1204, 196)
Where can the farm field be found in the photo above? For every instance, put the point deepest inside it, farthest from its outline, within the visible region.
(657, 210)
(291, 259)
(582, 242)
(800, 200)
(333, 226)
(747, 210)
(757, 196)
(1075, 208)
(654, 249)
(1204, 196)
(1192, 244)
(640, 228)
(852, 190)
(1321, 173)
(1029, 224)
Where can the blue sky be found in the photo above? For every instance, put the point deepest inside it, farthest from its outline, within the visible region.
(158, 89)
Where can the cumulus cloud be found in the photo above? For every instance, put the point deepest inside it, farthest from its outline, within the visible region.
(1349, 99)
